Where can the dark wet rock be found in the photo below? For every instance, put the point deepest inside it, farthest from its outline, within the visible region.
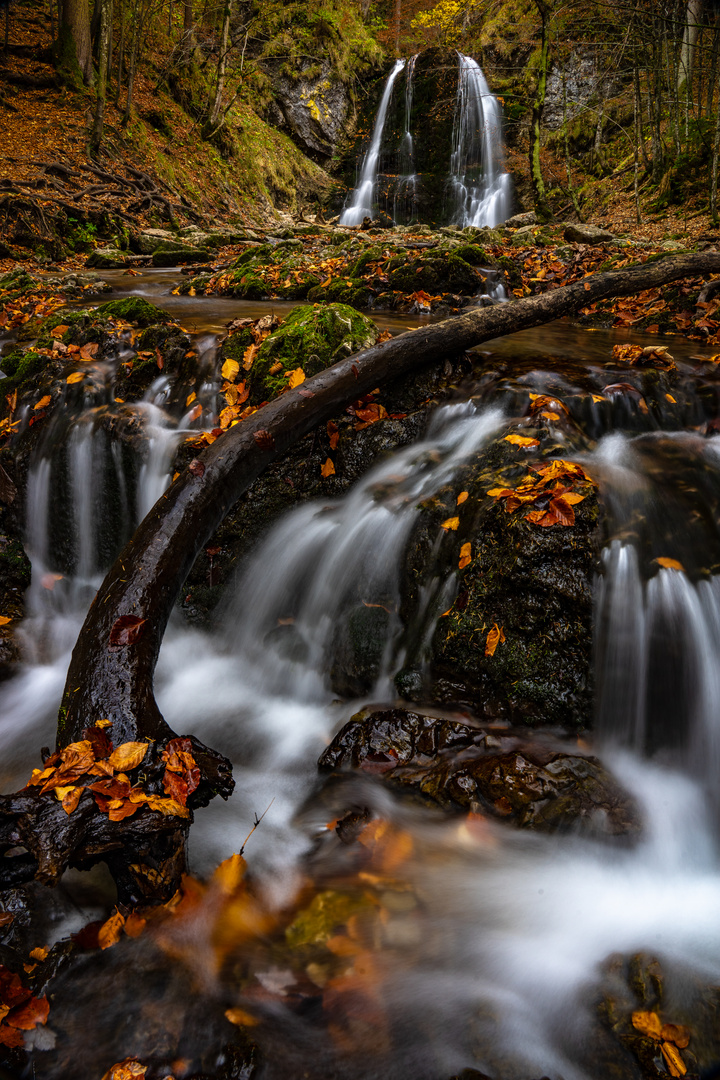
(14, 566)
(587, 234)
(531, 784)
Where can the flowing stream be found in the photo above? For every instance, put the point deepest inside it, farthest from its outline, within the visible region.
(496, 948)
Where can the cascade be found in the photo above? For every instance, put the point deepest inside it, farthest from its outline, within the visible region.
(495, 944)
(362, 199)
(405, 188)
(479, 185)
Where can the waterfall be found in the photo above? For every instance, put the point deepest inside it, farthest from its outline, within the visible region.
(363, 197)
(406, 185)
(479, 184)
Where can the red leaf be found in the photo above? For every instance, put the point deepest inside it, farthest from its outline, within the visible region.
(126, 630)
(11, 1037)
(12, 991)
(355, 371)
(102, 747)
(27, 1016)
(197, 467)
(306, 393)
(176, 787)
(264, 439)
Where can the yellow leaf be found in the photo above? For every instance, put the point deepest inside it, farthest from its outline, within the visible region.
(462, 497)
(103, 723)
(296, 378)
(230, 873)
(43, 402)
(240, 1018)
(4, 620)
(465, 555)
(597, 398)
(40, 953)
(671, 398)
(674, 1061)
(648, 1023)
(58, 331)
(71, 800)
(61, 792)
(128, 755)
(167, 806)
(109, 932)
(674, 1033)
(669, 564)
(230, 370)
(521, 440)
(328, 468)
(76, 377)
(190, 398)
(496, 635)
(451, 524)
(573, 498)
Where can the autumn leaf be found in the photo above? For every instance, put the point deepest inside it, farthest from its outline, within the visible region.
(673, 1059)
(28, 1015)
(126, 630)
(58, 331)
(110, 931)
(76, 377)
(496, 635)
(465, 556)
(43, 402)
(4, 620)
(240, 1018)
(230, 370)
(128, 756)
(168, 807)
(450, 524)
(264, 439)
(674, 1033)
(462, 497)
(127, 1069)
(229, 874)
(297, 377)
(647, 1023)
(523, 440)
(333, 433)
(190, 398)
(328, 469)
(669, 564)
(194, 413)
(197, 468)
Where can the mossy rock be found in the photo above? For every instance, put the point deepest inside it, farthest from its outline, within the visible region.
(20, 366)
(435, 274)
(178, 255)
(135, 310)
(313, 338)
(249, 286)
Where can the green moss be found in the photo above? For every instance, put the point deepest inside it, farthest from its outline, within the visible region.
(20, 366)
(134, 310)
(313, 338)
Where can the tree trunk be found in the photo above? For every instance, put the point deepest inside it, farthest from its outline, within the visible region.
(103, 51)
(538, 184)
(112, 678)
(188, 43)
(74, 49)
(211, 124)
(691, 31)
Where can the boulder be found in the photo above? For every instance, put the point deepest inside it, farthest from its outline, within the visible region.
(314, 109)
(587, 234)
(165, 257)
(520, 221)
(531, 783)
(108, 258)
(149, 240)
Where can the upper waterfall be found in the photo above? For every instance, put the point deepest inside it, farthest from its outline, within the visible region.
(363, 197)
(479, 183)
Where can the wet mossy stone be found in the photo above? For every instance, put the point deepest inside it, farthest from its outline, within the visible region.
(135, 310)
(504, 774)
(181, 255)
(312, 337)
(19, 366)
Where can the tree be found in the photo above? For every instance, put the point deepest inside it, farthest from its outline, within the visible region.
(73, 51)
(543, 68)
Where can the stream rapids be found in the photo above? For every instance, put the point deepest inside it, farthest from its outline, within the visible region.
(496, 946)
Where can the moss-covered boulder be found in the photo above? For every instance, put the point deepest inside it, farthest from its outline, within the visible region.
(134, 309)
(500, 773)
(311, 338)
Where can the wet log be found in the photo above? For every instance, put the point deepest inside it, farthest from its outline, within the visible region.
(113, 663)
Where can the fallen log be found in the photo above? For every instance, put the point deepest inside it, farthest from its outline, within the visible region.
(113, 663)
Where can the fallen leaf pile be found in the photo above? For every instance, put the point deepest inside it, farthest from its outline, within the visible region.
(550, 489)
(93, 765)
(19, 1010)
(672, 1039)
(655, 356)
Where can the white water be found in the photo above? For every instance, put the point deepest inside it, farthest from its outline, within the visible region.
(497, 967)
(479, 184)
(362, 199)
(405, 191)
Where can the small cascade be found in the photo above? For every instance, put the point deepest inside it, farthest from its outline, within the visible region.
(480, 186)
(335, 569)
(362, 201)
(405, 193)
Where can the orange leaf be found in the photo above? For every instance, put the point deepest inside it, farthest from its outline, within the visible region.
(29, 1014)
(134, 925)
(229, 874)
(110, 931)
(674, 1033)
(230, 370)
(71, 798)
(4, 620)
(128, 755)
(465, 555)
(648, 1023)
(58, 331)
(669, 564)
(451, 524)
(240, 1018)
(76, 377)
(297, 377)
(496, 635)
(462, 497)
(190, 398)
(43, 402)
(328, 469)
(673, 1059)
(524, 440)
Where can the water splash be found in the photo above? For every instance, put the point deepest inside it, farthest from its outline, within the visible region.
(480, 186)
(362, 200)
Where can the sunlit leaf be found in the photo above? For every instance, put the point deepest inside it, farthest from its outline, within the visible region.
(4, 620)
(450, 524)
(648, 1023)
(240, 1018)
(110, 931)
(76, 377)
(462, 497)
(495, 636)
(328, 469)
(297, 377)
(465, 556)
(43, 402)
(673, 1059)
(230, 873)
(128, 755)
(674, 1033)
(522, 440)
(669, 564)
(230, 370)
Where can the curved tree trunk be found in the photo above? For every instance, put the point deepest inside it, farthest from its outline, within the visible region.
(111, 672)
